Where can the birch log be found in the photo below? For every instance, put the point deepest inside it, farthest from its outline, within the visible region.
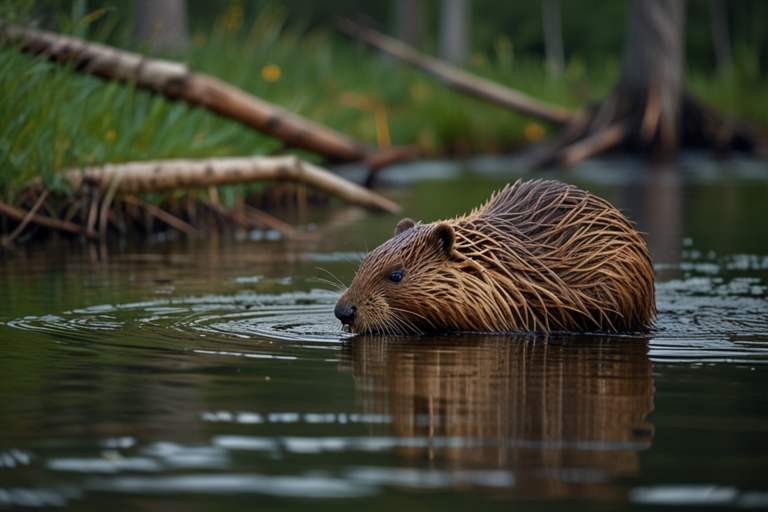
(461, 80)
(154, 176)
(176, 80)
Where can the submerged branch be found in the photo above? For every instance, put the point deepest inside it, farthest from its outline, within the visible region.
(164, 216)
(153, 176)
(48, 222)
(458, 79)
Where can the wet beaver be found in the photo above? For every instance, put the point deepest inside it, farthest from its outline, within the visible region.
(538, 256)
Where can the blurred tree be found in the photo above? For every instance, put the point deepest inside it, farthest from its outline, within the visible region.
(454, 31)
(718, 13)
(553, 37)
(161, 23)
(649, 109)
(410, 21)
(652, 69)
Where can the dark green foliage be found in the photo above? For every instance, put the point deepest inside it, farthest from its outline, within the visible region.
(52, 118)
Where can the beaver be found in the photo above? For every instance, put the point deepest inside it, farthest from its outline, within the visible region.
(539, 256)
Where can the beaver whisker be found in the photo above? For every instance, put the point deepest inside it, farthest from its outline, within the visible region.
(393, 308)
(336, 286)
(342, 286)
(406, 327)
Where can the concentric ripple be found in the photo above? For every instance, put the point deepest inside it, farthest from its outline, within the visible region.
(703, 318)
(292, 316)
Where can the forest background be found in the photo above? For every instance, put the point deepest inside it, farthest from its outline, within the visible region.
(290, 53)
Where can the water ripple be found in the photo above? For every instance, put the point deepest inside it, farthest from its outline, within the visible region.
(294, 316)
(701, 318)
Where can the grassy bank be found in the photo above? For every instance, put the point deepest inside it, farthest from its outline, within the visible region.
(54, 118)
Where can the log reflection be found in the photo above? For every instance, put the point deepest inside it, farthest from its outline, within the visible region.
(566, 416)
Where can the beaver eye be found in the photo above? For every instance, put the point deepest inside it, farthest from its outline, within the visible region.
(396, 277)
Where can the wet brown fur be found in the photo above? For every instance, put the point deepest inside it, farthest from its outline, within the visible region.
(538, 256)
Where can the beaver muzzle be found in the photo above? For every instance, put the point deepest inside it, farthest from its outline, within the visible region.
(345, 313)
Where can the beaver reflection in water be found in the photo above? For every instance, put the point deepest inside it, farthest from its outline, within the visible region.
(538, 256)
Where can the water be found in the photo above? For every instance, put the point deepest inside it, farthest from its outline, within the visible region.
(212, 374)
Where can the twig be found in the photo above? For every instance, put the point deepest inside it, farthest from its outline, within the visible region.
(592, 145)
(105, 204)
(458, 79)
(270, 221)
(93, 208)
(48, 222)
(164, 216)
(28, 217)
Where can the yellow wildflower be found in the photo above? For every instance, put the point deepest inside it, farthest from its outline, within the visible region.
(271, 73)
(534, 132)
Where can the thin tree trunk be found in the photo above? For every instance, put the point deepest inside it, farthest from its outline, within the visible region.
(410, 21)
(653, 63)
(454, 31)
(718, 14)
(161, 23)
(553, 37)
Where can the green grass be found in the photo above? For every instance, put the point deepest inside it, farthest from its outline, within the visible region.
(54, 118)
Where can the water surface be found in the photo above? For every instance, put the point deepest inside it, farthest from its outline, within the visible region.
(210, 374)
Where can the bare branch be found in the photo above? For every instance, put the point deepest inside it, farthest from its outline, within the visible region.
(48, 222)
(458, 79)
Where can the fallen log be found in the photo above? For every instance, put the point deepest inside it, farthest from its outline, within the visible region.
(178, 81)
(155, 176)
(458, 79)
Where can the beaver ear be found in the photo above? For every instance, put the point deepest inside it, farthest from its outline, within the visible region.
(404, 225)
(444, 235)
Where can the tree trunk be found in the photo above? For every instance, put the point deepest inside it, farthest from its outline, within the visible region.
(649, 110)
(410, 21)
(161, 23)
(718, 14)
(553, 37)
(652, 70)
(454, 31)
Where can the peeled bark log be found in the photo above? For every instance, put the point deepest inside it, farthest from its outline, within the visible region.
(458, 79)
(154, 176)
(177, 81)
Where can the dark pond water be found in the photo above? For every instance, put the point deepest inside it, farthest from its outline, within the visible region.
(212, 375)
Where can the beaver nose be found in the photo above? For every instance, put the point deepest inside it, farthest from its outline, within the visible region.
(345, 313)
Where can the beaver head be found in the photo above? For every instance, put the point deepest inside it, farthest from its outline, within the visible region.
(408, 285)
